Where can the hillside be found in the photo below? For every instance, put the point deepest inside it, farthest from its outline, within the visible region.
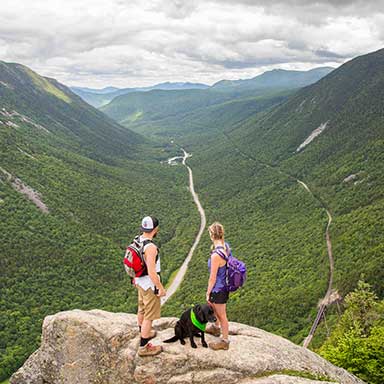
(246, 175)
(74, 186)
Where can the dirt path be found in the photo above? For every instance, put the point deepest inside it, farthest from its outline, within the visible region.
(325, 300)
(183, 269)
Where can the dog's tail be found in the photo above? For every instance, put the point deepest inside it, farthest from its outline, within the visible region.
(171, 340)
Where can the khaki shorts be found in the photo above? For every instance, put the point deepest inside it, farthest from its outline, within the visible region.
(148, 303)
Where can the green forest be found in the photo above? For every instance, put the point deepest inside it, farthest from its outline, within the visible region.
(96, 194)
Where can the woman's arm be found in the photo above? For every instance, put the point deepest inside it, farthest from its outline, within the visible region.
(215, 263)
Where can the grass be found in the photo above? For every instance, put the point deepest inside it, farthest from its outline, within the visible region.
(171, 278)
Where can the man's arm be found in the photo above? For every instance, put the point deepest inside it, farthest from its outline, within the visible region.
(150, 259)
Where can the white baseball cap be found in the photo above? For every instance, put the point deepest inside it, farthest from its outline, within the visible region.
(149, 223)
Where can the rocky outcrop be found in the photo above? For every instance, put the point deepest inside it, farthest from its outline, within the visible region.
(85, 347)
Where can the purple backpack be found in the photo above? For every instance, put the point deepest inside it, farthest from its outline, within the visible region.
(236, 269)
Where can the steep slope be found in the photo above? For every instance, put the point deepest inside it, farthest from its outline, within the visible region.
(71, 120)
(73, 188)
(329, 135)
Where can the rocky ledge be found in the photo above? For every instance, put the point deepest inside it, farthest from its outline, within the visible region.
(95, 346)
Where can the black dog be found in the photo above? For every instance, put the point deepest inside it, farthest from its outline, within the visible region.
(186, 327)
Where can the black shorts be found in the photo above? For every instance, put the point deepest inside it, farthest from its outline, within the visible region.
(219, 297)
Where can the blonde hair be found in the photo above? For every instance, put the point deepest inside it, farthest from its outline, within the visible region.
(217, 231)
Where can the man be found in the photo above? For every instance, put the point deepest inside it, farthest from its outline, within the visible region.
(149, 288)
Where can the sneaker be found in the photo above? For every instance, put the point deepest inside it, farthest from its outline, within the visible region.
(212, 329)
(216, 345)
(149, 350)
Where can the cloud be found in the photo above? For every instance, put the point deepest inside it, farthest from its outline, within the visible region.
(99, 43)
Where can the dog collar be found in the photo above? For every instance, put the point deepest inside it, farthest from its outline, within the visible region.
(196, 322)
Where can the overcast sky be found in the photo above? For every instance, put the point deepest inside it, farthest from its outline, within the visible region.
(128, 43)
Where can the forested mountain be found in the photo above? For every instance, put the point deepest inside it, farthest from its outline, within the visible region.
(329, 135)
(100, 97)
(62, 115)
(74, 186)
(156, 105)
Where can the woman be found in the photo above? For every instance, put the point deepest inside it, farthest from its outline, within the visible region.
(217, 294)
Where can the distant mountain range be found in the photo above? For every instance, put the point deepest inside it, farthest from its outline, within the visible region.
(277, 78)
(157, 105)
(100, 97)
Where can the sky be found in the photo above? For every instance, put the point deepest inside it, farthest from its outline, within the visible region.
(130, 43)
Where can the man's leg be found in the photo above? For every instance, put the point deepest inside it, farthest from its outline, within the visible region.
(140, 318)
(140, 308)
(151, 312)
(146, 327)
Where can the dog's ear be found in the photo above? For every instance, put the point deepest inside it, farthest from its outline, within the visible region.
(199, 312)
(206, 311)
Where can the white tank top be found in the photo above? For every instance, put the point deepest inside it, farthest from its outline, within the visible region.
(145, 282)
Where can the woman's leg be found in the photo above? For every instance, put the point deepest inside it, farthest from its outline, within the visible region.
(221, 313)
(217, 323)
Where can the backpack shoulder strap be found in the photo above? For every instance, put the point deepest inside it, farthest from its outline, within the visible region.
(144, 243)
(220, 251)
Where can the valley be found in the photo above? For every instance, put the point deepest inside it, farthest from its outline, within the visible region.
(292, 168)
(178, 278)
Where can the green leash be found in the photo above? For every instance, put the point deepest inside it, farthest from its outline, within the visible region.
(196, 322)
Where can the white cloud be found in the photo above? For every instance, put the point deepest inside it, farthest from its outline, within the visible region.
(121, 43)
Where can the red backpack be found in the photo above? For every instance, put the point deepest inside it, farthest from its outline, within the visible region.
(134, 262)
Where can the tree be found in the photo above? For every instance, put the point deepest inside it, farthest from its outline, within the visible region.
(357, 343)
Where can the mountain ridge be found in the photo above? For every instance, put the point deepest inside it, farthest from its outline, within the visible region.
(293, 79)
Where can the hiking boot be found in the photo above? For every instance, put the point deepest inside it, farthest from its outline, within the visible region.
(212, 329)
(216, 345)
(149, 350)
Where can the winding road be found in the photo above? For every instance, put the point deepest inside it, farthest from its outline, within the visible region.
(183, 269)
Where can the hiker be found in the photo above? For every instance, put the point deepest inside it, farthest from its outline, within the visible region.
(217, 293)
(149, 288)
